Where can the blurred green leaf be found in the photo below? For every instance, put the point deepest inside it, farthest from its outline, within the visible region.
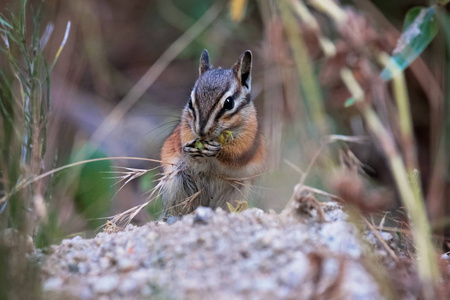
(146, 185)
(146, 181)
(420, 27)
(349, 102)
(95, 187)
(50, 232)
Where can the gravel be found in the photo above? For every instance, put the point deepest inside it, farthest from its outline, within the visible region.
(216, 255)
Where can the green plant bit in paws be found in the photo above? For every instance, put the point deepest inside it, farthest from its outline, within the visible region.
(240, 206)
(225, 137)
(199, 145)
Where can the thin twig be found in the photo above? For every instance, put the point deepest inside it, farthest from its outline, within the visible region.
(25, 183)
(380, 238)
(323, 193)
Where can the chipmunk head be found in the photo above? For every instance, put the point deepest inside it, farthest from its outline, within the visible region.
(220, 99)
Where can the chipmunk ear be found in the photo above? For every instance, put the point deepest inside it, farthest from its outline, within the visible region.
(204, 62)
(243, 69)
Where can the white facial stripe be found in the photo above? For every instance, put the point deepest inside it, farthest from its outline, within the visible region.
(194, 105)
(219, 107)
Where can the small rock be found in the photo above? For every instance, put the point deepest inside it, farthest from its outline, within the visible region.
(83, 268)
(54, 283)
(130, 227)
(203, 215)
(221, 212)
(257, 212)
(106, 284)
(125, 264)
(73, 268)
(105, 262)
(386, 236)
(128, 286)
(152, 236)
(172, 219)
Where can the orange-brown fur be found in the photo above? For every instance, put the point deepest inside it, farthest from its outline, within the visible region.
(208, 177)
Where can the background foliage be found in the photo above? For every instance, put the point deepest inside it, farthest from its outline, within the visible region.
(112, 83)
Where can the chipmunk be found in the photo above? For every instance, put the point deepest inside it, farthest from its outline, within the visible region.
(217, 149)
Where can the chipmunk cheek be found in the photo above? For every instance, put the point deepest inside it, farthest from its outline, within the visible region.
(237, 120)
(231, 122)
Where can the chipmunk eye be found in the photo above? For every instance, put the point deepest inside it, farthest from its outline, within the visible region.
(190, 104)
(228, 104)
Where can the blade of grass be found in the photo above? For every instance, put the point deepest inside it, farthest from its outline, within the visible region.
(411, 198)
(308, 82)
(61, 47)
(26, 183)
(421, 26)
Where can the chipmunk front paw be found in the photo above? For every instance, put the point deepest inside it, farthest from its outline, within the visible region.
(198, 148)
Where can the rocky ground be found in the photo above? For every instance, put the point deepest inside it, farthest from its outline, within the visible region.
(217, 255)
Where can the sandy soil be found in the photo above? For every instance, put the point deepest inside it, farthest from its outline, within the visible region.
(217, 255)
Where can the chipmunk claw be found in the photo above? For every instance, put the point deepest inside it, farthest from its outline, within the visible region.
(213, 146)
(196, 148)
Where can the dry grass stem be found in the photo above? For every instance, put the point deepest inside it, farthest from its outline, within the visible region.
(128, 175)
(380, 239)
(409, 194)
(26, 182)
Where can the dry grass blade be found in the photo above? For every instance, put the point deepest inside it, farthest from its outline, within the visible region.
(350, 163)
(322, 193)
(345, 138)
(123, 219)
(128, 175)
(325, 142)
(240, 178)
(380, 238)
(293, 166)
(188, 202)
(383, 220)
(408, 189)
(63, 43)
(24, 183)
(110, 227)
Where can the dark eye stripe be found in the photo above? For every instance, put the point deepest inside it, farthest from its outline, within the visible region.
(236, 109)
(191, 108)
(241, 106)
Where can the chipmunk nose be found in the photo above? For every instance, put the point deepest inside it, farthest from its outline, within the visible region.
(201, 129)
(205, 135)
(201, 133)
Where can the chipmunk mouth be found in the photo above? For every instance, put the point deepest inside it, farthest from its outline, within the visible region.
(225, 137)
(218, 134)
